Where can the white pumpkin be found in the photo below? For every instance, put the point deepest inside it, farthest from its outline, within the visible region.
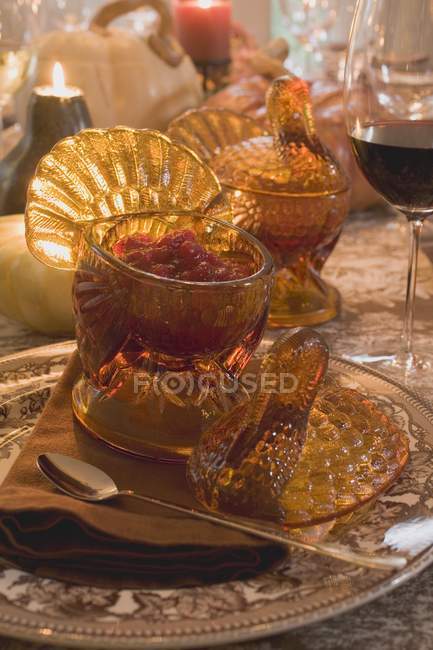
(30, 292)
(126, 79)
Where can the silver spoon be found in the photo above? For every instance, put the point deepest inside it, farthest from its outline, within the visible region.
(88, 483)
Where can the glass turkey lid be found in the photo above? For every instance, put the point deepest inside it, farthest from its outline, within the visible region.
(304, 451)
(291, 160)
(101, 173)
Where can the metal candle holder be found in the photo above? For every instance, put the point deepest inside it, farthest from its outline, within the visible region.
(50, 118)
(214, 75)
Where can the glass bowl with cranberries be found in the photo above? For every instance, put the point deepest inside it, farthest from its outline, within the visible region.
(169, 308)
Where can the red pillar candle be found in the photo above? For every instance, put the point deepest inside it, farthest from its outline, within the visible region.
(203, 28)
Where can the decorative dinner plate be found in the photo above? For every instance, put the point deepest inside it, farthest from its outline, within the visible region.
(306, 590)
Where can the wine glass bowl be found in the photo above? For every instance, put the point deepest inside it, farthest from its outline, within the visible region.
(161, 356)
(390, 123)
(401, 91)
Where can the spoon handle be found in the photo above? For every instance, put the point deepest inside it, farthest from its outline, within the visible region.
(382, 563)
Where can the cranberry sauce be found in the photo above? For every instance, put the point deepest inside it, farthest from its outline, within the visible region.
(180, 256)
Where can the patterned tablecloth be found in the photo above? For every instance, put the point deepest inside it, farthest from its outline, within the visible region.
(369, 267)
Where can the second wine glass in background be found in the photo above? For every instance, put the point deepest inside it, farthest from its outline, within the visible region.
(319, 30)
(306, 22)
(335, 41)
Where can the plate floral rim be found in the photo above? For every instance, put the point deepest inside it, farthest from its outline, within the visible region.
(253, 625)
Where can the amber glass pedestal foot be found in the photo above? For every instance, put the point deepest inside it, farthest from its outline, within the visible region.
(307, 303)
(154, 419)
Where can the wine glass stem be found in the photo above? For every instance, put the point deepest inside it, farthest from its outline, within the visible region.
(416, 224)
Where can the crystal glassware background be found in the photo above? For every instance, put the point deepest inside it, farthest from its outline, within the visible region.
(319, 28)
(67, 15)
(336, 40)
(161, 357)
(18, 26)
(389, 78)
(74, 15)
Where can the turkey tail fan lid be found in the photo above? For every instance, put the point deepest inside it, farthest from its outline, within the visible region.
(208, 131)
(102, 173)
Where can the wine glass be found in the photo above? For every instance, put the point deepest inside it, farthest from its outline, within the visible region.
(390, 56)
(336, 39)
(18, 22)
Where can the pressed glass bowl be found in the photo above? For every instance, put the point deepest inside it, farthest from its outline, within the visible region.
(161, 356)
(155, 352)
(284, 187)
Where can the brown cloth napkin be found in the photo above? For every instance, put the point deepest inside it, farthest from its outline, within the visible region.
(123, 543)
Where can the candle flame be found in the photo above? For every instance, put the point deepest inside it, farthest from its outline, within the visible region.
(58, 78)
(205, 4)
(58, 87)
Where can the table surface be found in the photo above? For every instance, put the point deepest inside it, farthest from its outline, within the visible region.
(369, 267)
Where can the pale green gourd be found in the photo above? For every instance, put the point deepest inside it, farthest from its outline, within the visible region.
(31, 292)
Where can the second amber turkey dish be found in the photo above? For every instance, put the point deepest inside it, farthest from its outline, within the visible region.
(285, 188)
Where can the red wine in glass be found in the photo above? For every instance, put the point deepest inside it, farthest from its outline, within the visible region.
(397, 159)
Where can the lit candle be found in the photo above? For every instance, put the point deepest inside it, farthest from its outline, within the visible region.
(203, 28)
(58, 88)
(54, 112)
